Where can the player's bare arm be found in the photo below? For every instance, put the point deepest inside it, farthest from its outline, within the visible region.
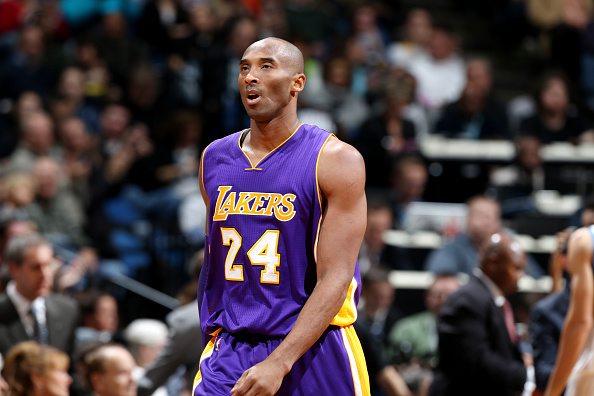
(580, 313)
(341, 175)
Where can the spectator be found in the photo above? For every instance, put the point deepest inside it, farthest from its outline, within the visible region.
(12, 224)
(335, 97)
(415, 41)
(556, 119)
(374, 251)
(109, 370)
(369, 35)
(26, 71)
(524, 176)
(120, 50)
(57, 212)
(12, 123)
(18, 191)
(99, 317)
(223, 109)
(72, 101)
(165, 25)
(408, 179)
(414, 339)
(441, 76)
(476, 114)
(29, 310)
(382, 138)
(146, 339)
(461, 254)
(79, 154)
(33, 369)
(546, 321)
(478, 349)
(37, 141)
(378, 313)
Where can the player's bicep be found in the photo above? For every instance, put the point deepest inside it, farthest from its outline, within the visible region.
(580, 268)
(342, 182)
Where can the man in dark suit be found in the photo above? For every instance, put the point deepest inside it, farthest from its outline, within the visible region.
(478, 353)
(28, 309)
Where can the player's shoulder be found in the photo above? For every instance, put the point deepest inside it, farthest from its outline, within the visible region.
(582, 238)
(337, 150)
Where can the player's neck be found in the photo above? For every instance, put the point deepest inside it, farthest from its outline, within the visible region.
(269, 135)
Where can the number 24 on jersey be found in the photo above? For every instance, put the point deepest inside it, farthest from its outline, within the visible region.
(263, 252)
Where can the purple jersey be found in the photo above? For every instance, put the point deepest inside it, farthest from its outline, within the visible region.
(264, 220)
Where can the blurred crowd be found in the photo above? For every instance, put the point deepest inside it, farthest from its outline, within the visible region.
(106, 105)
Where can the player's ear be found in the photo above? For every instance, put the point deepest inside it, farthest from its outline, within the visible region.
(298, 82)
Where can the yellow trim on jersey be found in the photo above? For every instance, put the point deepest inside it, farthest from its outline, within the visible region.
(348, 312)
(315, 252)
(207, 203)
(273, 150)
(356, 361)
(208, 350)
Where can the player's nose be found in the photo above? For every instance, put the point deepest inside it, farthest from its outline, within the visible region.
(250, 78)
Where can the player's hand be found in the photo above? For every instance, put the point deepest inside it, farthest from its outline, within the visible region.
(263, 379)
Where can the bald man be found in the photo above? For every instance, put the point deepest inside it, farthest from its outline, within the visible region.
(478, 351)
(576, 347)
(286, 217)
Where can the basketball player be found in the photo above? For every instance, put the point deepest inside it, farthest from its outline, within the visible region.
(575, 360)
(286, 209)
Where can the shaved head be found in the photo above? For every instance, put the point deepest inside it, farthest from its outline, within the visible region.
(289, 53)
(503, 261)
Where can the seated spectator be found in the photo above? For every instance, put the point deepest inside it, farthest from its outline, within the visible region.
(72, 100)
(378, 313)
(11, 124)
(408, 179)
(27, 71)
(33, 369)
(165, 25)
(461, 254)
(99, 317)
(383, 137)
(145, 339)
(369, 34)
(440, 76)
(412, 342)
(109, 369)
(477, 114)
(18, 192)
(557, 120)
(79, 154)
(526, 173)
(56, 210)
(415, 43)
(335, 97)
(374, 251)
(37, 141)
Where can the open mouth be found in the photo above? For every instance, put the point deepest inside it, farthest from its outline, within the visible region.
(252, 98)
